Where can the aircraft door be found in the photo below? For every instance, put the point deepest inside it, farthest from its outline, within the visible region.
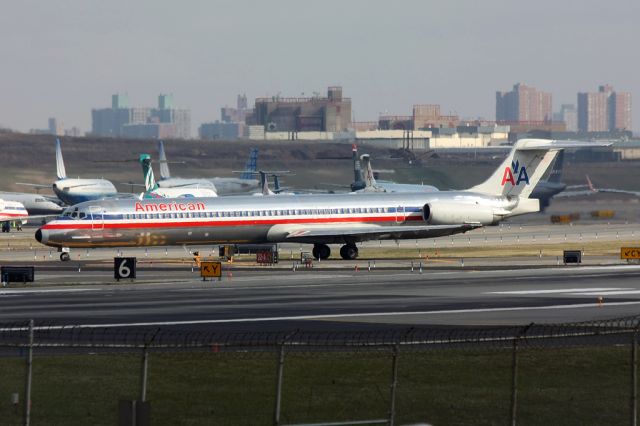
(97, 218)
(400, 214)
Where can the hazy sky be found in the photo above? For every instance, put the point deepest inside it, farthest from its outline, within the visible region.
(61, 58)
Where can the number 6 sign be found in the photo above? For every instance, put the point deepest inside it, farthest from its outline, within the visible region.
(124, 267)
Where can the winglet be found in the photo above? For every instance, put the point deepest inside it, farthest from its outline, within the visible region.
(60, 171)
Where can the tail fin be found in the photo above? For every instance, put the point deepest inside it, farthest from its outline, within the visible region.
(276, 184)
(149, 180)
(60, 171)
(251, 166)
(524, 166)
(162, 158)
(264, 184)
(357, 168)
(369, 179)
(556, 172)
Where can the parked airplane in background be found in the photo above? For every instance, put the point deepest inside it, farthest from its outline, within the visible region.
(547, 189)
(73, 191)
(364, 179)
(372, 185)
(314, 219)
(544, 190)
(35, 204)
(246, 183)
(152, 190)
(11, 211)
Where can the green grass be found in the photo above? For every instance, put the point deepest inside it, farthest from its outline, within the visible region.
(577, 386)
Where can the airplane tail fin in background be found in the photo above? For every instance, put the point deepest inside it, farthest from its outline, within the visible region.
(162, 158)
(264, 184)
(369, 179)
(149, 180)
(556, 172)
(527, 162)
(60, 171)
(251, 165)
(357, 168)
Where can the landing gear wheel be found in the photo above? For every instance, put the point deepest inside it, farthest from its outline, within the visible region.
(321, 251)
(349, 252)
(65, 257)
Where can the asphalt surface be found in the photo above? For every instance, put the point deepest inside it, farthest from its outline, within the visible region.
(336, 295)
(272, 299)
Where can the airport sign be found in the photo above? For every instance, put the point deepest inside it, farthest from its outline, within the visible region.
(630, 253)
(210, 269)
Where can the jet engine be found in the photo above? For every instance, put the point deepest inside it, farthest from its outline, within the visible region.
(443, 213)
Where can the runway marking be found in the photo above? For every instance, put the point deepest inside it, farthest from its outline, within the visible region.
(610, 293)
(17, 292)
(560, 290)
(333, 316)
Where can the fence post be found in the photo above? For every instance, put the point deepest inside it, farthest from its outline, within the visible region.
(394, 385)
(27, 387)
(634, 378)
(143, 374)
(276, 419)
(514, 381)
(514, 373)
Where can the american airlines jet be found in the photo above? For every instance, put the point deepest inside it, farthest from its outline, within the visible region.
(314, 219)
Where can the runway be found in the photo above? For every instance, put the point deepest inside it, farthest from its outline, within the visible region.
(263, 300)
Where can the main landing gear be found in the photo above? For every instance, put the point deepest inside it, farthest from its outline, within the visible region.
(349, 252)
(321, 251)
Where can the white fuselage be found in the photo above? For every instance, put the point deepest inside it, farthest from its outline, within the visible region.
(12, 210)
(34, 203)
(222, 186)
(74, 191)
(247, 219)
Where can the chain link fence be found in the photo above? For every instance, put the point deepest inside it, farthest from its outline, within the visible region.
(296, 350)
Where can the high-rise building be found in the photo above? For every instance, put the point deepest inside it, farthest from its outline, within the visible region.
(569, 116)
(523, 104)
(56, 127)
(604, 110)
(161, 122)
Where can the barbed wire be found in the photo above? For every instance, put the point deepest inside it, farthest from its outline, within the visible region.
(48, 335)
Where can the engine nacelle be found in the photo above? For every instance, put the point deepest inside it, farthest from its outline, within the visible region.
(442, 213)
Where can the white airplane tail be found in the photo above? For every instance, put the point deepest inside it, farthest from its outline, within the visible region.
(525, 165)
(369, 179)
(60, 171)
(164, 166)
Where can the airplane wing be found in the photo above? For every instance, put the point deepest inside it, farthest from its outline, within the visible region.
(349, 232)
(35, 185)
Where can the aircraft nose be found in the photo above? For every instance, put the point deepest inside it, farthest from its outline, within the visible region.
(41, 236)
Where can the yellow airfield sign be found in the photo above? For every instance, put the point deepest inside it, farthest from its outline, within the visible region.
(210, 269)
(630, 253)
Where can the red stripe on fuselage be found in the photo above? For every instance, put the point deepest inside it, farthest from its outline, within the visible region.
(209, 223)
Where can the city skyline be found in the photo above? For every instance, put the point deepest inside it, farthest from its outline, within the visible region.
(67, 58)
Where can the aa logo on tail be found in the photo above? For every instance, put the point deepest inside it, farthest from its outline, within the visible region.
(515, 170)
